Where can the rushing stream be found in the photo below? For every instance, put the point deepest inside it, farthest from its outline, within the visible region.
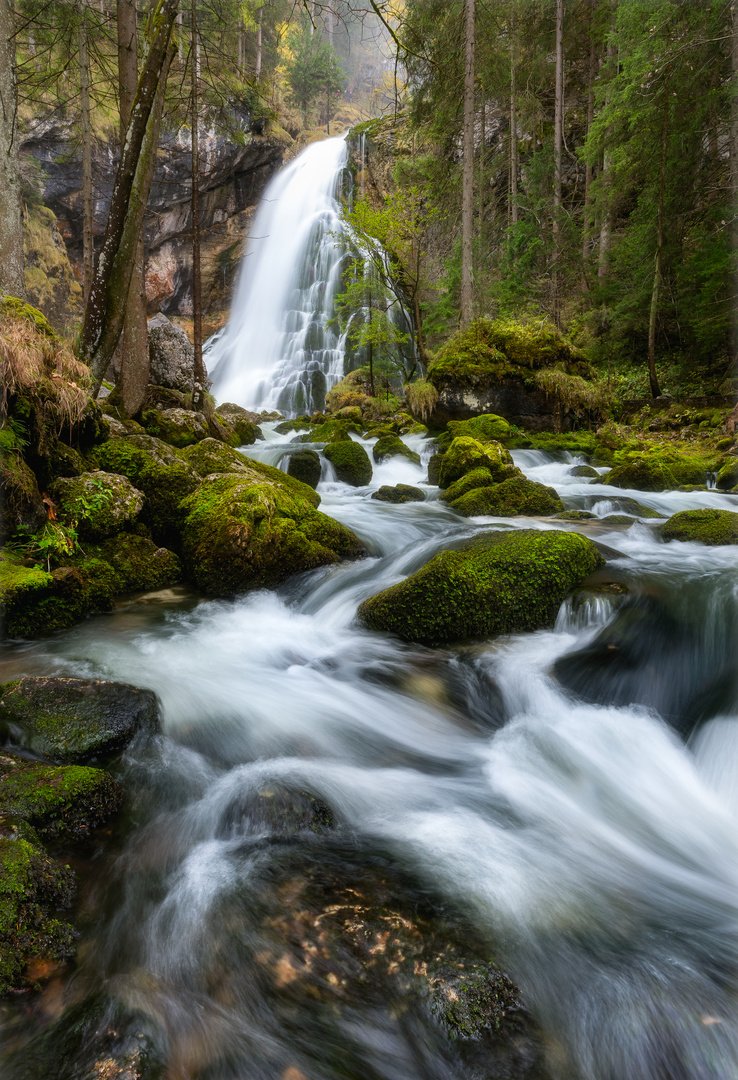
(529, 788)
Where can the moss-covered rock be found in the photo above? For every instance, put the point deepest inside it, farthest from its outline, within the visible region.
(465, 454)
(390, 446)
(138, 563)
(641, 475)
(305, 466)
(34, 602)
(584, 471)
(100, 504)
(631, 506)
(576, 515)
(400, 493)
(331, 431)
(351, 462)
(71, 721)
(244, 532)
(211, 456)
(60, 801)
(727, 476)
(243, 423)
(485, 428)
(434, 468)
(261, 471)
(477, 478)
(32, 888)
(21, 506)
(709, 526)
(178, 427)
(512, 498)
(302, 423)
(156, 470)
(495, 584)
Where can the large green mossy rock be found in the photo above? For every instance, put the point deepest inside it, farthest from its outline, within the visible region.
(709, 526)
(399, 493)
(100, 504)
(34, 602)
(727, 476)
(641, 475)
(465, 454)
(477, 478)
(155, 469)
(59, 801)
(351, 462)
(305, 465)
(71, 721)
(32, 889)
(515, 497)
(211, 456)
(498, 583)
(139, 564)
(245, 533)
(178, 427)
(241, 423)
(485, 428)
(22, 508)
(331, 431)
(389, 446)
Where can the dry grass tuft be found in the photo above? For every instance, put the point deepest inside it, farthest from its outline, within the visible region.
(571, 391)
(421, 397)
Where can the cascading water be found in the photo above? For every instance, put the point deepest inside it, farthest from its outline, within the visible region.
(279, 349)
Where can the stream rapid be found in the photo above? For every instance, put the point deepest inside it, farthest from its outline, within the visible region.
(569, 796)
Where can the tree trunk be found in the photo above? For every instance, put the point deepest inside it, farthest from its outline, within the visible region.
(586, 223)
(88, 249)
(655, 391)
(12, 281)
(198, 389)
(257, 72)
(482, 147)
(329, 25)
(513, 129)
(105, 308)
(558, 147)
(467, 193)
(606, 223)
(134, 346)
(734, 175)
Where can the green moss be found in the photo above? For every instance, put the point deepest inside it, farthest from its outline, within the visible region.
(400, 493)
(302, 423)
(240, 533)
(474, 1001)
(641, 475)
(709, 526)
(434, 468)
(98, 504)
(19, 309)
(23, 510)
(576, 515)
(31, 886)
(291, 483)
(727, 477)
(512, 498)
(178, 427)
(485, 428)
(351, 462)
(392, 446)
(304, 465)
(497, 583)
(332, 431)
(212, 456)
(477, 478)
(465, 454)
(138, 563)
(64, 801)
(33, 602)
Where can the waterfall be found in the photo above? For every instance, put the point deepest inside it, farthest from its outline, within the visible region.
(279, 350)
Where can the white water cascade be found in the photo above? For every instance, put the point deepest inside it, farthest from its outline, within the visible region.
(278, 350)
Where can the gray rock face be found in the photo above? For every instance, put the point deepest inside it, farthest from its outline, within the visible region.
(172, 355)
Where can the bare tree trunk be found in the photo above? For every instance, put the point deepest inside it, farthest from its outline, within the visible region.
(655, 391)
(558, 147)
(734, 175)
(105, 308)
(606, 223)
(467, 193)
(12, 281)
(513, 129)
(258, 46)
(198, 389)
(180, 38)
(88, 249)
(329, 25)
(587, 223)
(482, 148)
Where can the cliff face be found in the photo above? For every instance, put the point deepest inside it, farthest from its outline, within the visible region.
(234, 174)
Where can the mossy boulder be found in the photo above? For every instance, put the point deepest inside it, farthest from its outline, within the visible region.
(390, 446)
(155, 469)
(139, 564)
(351, 462)
(245, 532)
(332, 431)
(32, 889)
(302, 423)
(100, 503)
(709, 526)
(305, 466)
(641, 475)
(477, 478)
(178, 427)
(497, 583)
(60, 801)
(576, 515)
(22, 508)
(584, 471)
(434, 467)
(691, 473)
(465, 454)
(400, 493)
(515, 497)
(72, 721)
(211, 456)
(727, 476)
(485, 428)
(242, 423)
(33, 601)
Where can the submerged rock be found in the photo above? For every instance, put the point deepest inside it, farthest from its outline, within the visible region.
(709, 526)
(74, 720)
(400, 493)
(496, 583)
(351, 462)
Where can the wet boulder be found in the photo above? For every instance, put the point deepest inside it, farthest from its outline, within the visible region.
(624, 505)
(497, 583)
(351, 462)
(576, 515)
(255, 529)
(171, 355)
(71, 721)
(477, 478)
(515, 497)
(242, 423)
(727, 477)
(390, 446)
(139, 564)
(330, 431)
(485, 428)
(178, 427)
(641, 475)
(465, 454)
(584, 471)
(99, 503)
(400, 493)
(709, 526)
(305, 466)
(34, 601)
(434, 468)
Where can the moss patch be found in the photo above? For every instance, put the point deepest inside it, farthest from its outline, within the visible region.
(465, 454)
(178, 427)
(400, 493)
(641, 475)
(711, 527)
(514, 497)
(497, 583)
(477, 478)
(485, 428)
(390, 446)
(351, 462)
(34, 602)
(99, 504)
